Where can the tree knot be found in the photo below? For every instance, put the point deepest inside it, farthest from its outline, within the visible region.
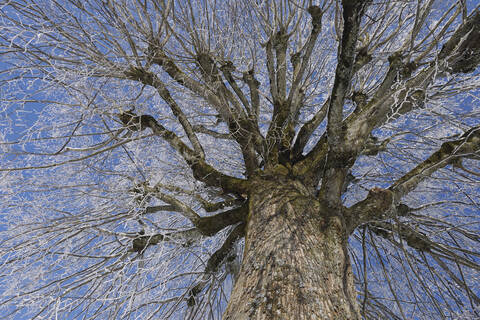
(383, 198)
(134, 122)
(316, 14)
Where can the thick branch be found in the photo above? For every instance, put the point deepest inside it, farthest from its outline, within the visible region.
(244, 130)
(352, 14)
(373, 207)
(253, 85)
(378, 109)
(134, 122)
(152, 80)
(211, 207)
(212, 76)
(210, 225)
(281, 109)
(299, 71)
(340, 158)
(362, 58)
(215, 134)
(271, 69)
(186, 237)
(380, 201)
(448, 153)
(285, 115)
(216, 260)
(201, 170)
(159, 57)
(247, 134)
(280, 43)
(204, 226)
(307, 130)
(227, 69)
(218, 256)
(461, 53)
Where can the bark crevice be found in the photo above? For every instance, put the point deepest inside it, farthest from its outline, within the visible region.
(296, 263)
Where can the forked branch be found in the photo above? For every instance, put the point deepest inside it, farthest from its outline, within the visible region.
(201, 170)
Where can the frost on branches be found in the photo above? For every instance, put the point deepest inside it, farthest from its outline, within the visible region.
(240, 159)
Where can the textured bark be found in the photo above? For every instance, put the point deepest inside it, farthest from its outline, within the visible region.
(296, 264)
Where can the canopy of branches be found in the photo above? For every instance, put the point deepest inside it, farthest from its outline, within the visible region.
(130, 131)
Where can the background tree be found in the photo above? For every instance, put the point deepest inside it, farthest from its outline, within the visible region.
(247, 159)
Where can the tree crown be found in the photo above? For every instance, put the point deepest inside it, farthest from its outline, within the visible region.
(134, 133)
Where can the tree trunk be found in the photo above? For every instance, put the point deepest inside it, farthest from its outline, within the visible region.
(296, 264)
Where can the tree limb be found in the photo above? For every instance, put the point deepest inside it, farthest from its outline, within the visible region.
(316, 14)
(373, 207)
(227, 69)
(204, 226)
(253, 85)
(307, 130)
(461, 53)
(379, 201)
(151, 79)
(215, 134)
(159, 57)
(210, 225)
(448, 153)
(218, 256)
(216, 260)
(201, 170)
(243, 129)
(338, 157)
(378, 109)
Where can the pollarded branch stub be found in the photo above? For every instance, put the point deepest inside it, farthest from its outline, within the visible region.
(275, 171)
(135, 122)
(404, 69)
(381, 198)
(207, 65)
(227, 66)
(461, 52)
(414, 238)
(295, 58)
(155, 51)
(403, 209)
(279, 39)
(359, 98)
(408, 69)
(362, 58)
(141, 74)
(142, 242)
(248, 77)
(316, 13)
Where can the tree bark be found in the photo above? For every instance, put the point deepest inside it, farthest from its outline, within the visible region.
(296, 264)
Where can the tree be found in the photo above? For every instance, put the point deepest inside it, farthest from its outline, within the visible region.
(240, 159)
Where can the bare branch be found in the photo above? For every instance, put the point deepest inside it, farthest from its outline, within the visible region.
(299, 68)
(449, 152)
(219, 255)
(149, 78)
(338, 157)
(215, 134)
(201, 170)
